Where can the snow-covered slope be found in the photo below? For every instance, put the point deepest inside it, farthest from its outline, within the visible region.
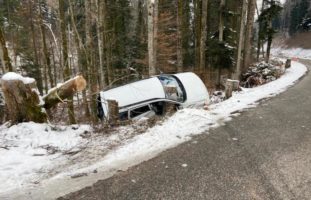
(292, 52)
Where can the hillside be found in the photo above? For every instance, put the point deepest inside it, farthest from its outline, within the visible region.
(299, 40)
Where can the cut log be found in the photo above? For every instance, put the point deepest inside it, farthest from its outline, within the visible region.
(64, 91)
(21, 99)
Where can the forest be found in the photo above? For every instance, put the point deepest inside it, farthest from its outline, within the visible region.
(111, 43)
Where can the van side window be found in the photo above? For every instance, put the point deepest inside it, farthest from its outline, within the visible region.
(123, 116)
(138, 111)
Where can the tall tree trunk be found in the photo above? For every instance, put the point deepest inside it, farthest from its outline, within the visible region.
(241, 41)
(179, 36)
(249, 33)
(221, 33)
(259, 32)
(45, 49)
(35, 49)
(82, 58)
(221, 20)
(93, 78)
(203, 35)
(100, 40)
(151, 36)
(66, 71)
(197, 21)
(269, 43)
(4, 55)
(155, 32)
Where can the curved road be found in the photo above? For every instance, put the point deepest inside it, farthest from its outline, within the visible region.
(265, 153)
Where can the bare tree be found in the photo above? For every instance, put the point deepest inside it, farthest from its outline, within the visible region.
(241, 41)
(66, 72)
(203, 34)
(221, 20)
(179, 36)
(151, 37)
(248, 35)
(4, 55)
(45, 48)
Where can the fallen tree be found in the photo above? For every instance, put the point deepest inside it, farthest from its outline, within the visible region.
(64, 91)
(23, 102)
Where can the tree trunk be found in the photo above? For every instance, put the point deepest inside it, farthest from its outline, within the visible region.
(82, 60)
(4, 55)
(198, 18)
(248, 35)
(203, 35)
(66, 72)
(151, 36)
(259, 32)
(22, 102)
(221, 20)
(45, 50)
(93, 79)
(269, 43)
(241, 41)
(100, 41)
(35, 49)
(179, 36)
(221, 33)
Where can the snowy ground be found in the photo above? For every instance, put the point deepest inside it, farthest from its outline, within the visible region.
(38, 156)
(292, 53)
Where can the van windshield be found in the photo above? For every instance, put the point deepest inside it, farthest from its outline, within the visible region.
(172, 87)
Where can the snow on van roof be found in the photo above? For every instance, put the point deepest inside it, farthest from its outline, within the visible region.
(135, 92)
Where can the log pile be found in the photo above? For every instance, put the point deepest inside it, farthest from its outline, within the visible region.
(261, 73)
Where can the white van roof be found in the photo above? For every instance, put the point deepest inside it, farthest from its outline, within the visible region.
(135, 92)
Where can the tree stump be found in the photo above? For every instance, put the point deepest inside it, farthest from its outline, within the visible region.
(288, 63)
(113, 112)
(22, 102)
(231, 85)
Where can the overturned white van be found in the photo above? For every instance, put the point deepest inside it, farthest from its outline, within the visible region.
(149, 97)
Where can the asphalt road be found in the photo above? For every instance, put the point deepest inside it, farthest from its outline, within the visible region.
(265, 153)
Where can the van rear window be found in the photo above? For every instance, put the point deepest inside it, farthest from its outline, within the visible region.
(173, 88)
